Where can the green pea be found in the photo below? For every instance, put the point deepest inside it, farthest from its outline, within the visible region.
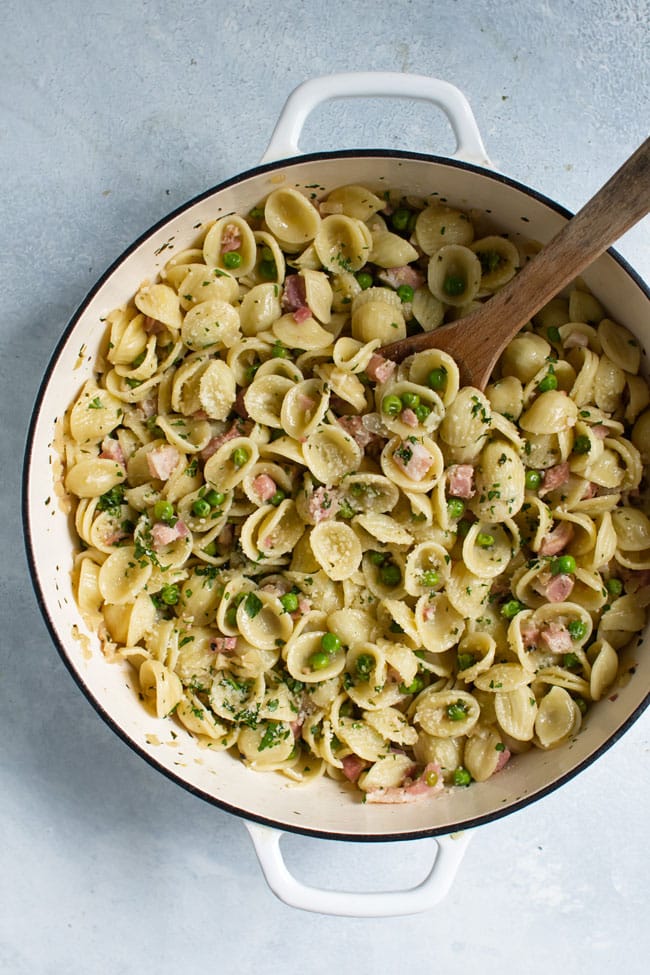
(582, 444)
(422, 412)
(289, 602)
(390, 575)
(231, 259)
(201, 508)
(533, 480)
(414, 687)
(431, 778)
(510, 609)
(582, 704)
(484, 540)
(410, 400)
(553, 333)
(279, 351)
(453, 285)
(405, 292)
(455, 507)
(277, 498)
(391, 405)
(570, 660)
(400, 219)
(163, 511)
(457, 711)
(547, 383)
(256, 213)
(319, 660)
(429, 578)
(462, 776)
(563, 565)
(249, 372)
(614, 587)
(437, 378)
(577, 629)
(364, 280)
(170, 595)
(330, 643)
(214, 498)
(268, 270)
(239, 457)
(377, 558)
(364, 664)
(210, 549)
(465, 661)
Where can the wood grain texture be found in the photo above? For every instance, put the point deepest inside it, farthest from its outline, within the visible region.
(477, 340)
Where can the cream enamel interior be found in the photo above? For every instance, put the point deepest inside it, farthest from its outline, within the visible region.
(326, 808)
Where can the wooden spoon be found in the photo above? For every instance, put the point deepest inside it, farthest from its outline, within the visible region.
(477, 341)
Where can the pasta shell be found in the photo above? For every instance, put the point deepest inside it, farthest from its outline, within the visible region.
(454, 275)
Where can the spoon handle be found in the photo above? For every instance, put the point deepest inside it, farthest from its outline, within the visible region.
(477, 340)
(617, 206)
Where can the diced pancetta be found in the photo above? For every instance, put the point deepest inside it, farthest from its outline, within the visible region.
(414, 459)
(461, 480)
(557, 539)
(223, 644)
(556, 637)
(304, 607)
(238, 429)
(162, 461)
(302, 314)
(355, 427)
(590, 491)
(601, 431)
(408, 417)
(231, 238)
(239, 406)
(396, 276)
(306, 403)
(164, 534)
(294, 294)
(429, 612)
(111, 450)
(116, 537)
(353, 766)
(264, 487)
(411, 791)
(379, 370)
(503, 759)
(530, 634)
(323, 504)
(555, 477)
(152, 326)
(559, 588)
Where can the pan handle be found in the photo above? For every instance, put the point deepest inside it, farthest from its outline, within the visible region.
(391, 903)
(382, 84)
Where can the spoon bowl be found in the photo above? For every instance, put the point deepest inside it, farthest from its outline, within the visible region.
(477, 340)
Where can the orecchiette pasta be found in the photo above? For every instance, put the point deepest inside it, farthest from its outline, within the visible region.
(330, 564)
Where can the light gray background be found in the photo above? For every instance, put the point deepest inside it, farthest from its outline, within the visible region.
(112, 113)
